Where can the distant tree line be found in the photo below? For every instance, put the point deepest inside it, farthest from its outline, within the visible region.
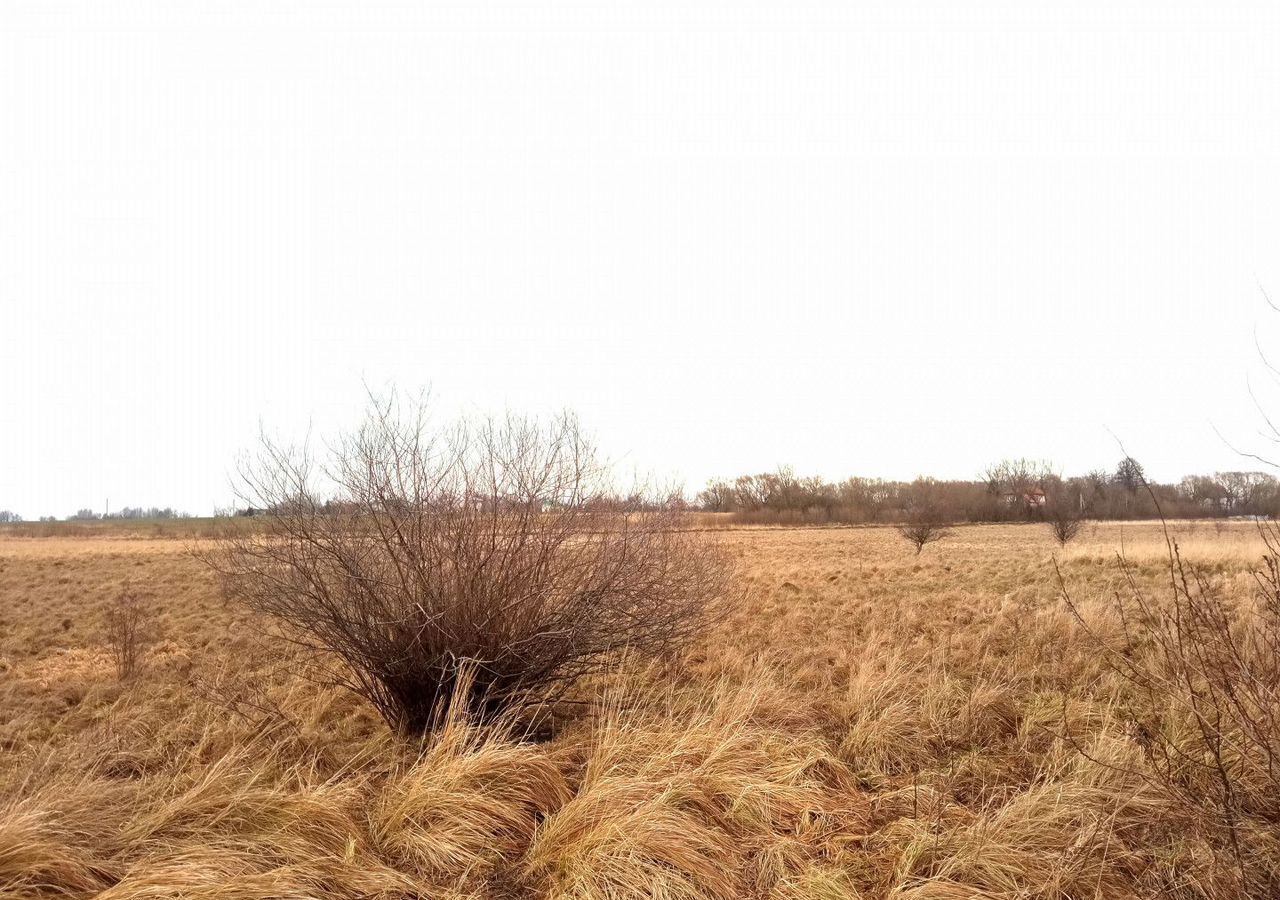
(1009, 491)
(128, 512)
(8, 517)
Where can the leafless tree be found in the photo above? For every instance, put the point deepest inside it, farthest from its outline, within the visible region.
(489, 563)
(920, 533)
(1063, 517)
(924, 525)
(1018, 476)
(717, 496)
(1129, 475)
(127, 633)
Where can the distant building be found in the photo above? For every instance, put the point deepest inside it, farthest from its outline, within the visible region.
(1033, 498)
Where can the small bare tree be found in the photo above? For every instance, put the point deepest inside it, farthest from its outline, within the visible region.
(127, 633)
(924, 525)
(1063, 519)
(491, 558)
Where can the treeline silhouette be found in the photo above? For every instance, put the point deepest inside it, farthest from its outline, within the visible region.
(127, 512)
(9, 517)
(1010, 491)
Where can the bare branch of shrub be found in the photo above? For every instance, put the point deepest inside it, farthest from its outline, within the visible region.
(1203, 681)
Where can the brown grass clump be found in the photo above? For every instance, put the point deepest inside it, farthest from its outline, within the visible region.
(39, 857)
(859, 722)
(470, 801)
(697, 800)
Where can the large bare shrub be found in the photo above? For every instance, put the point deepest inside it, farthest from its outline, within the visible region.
(495, 549)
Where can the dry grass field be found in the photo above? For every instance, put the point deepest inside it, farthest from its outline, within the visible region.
(861, 723)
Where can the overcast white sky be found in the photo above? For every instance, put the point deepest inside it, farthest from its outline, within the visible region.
(881, 239)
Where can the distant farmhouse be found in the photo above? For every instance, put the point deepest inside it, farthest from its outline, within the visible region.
(1032, 498)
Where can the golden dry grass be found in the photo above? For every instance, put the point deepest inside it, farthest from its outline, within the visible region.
(862, 723)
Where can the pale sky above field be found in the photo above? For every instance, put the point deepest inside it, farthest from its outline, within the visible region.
(878, 239)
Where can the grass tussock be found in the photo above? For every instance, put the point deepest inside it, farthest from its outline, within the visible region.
(697, 799)
(862, 723)
(472, 800)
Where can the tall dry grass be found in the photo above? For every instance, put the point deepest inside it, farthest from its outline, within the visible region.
(864, 723)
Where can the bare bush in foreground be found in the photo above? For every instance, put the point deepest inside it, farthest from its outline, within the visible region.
(496, 550)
